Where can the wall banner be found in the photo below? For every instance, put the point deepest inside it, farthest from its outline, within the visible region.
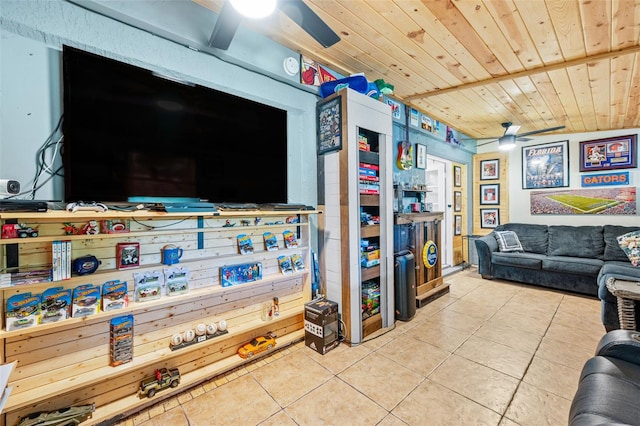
(605, 179)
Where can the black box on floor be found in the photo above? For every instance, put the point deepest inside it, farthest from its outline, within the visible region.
(321, 325)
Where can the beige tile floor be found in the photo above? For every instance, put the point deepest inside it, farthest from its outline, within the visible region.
(487, 353)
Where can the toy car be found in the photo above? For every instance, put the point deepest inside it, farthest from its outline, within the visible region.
(162, 379)
(27, 231)
(259, 344)
(61, 417)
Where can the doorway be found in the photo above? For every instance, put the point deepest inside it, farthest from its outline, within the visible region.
(440, 189)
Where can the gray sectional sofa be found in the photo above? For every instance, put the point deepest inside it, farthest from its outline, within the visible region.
(574, 258)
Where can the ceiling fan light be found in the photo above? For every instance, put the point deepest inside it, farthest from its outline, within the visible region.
(254, 9)
(507, 142)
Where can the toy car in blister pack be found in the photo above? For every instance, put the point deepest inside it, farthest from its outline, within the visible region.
(23, 310)
(290, 240)
(56, 304)
(176, 280)
(270, 241)
(285, 265)
(148, 285)
(298, 263)
(86, 300)
(121, 339)
(114, 295)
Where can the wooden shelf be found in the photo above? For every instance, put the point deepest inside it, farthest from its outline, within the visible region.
(368, 231)
(370, 273)
(370, 200)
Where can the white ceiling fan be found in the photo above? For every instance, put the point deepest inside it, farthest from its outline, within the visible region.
(510, 136)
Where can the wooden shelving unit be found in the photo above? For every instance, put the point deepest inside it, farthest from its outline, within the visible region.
(67, 362)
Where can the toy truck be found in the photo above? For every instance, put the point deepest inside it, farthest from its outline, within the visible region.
(162, 379)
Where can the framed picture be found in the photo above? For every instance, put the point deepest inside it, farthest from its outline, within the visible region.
(457, 230)
(421, 156)
(457, 201)
(545, 165)
(457, 176)
(489, 169)
(608, 154)
(490, 218)
(490, 194)
(128, 255)
(330, 125)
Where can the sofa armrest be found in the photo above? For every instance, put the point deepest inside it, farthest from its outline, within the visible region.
(484, 247)
(620, 344)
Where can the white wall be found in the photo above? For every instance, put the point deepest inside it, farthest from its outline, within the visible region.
(519, 199)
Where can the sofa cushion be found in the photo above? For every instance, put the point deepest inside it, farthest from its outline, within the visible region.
(518, 260)
(612, 250)
(572, 265)
(577, 241)
(532, 237)
(630, 245)
(618, 270)
(508, 241)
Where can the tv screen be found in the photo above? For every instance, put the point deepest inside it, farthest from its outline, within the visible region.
(131, 133)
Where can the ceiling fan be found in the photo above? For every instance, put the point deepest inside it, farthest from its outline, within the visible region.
(229, 19)
(510, 136)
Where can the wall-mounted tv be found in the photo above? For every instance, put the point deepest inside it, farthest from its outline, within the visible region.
(131, 133)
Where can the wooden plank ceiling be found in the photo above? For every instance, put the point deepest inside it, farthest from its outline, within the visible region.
(474, 64)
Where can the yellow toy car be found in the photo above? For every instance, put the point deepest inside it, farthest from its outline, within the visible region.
(259, 344)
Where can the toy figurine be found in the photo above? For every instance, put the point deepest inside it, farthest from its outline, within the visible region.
(245, 222)
(228, 224)
(161, 379)
(70, 229)
(258, 221)
(91, 228)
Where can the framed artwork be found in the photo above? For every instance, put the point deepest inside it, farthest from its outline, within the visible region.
(128, 255)
(457, 230)
(490, 218)
(608, 153)
(545, 165)
(330, 125)
(457, 201)
(490, 194)
(457, 176)
(489, 169)
(421, 156)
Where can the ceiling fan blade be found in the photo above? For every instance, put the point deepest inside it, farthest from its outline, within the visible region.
(511, 130)
(487, 143)
(521, 139)
(309, 21)
(535, 132)
(226, 25)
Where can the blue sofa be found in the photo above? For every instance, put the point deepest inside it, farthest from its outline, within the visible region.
(609, 385)
(579, 259)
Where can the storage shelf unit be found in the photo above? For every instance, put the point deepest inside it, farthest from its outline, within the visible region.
(67, 362)
(368, 121)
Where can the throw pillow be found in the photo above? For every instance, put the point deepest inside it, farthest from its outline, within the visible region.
(630, 244)
(508, 241)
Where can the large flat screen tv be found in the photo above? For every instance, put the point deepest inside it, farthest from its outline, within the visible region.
(130, 133)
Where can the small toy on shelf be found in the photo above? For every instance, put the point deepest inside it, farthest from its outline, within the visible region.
(257, 345)
(176, 280)
(285, 265)
(162, 379)
(238, 274)
(91, 228)
(245, 222)
(148, 285)
(64, 416)
(201, 333)
(121, 338)
(128, 255)
(86, 300)
(245, 244)
(290, 240)
(70, 229)
(228, 224)
(115, 226)
(114, 295)
(257, 221)
(270, 241)
(23, 310)
(56, 304)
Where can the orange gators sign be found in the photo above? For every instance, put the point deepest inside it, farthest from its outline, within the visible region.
(606, 179)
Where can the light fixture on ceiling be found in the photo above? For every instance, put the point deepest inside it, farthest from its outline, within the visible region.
(507, 142)
(254, 9)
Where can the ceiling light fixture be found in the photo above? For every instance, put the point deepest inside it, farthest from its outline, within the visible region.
(254, 9)
(507, 142)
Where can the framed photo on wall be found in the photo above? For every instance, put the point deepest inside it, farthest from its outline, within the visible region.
(490, 169)
(457, 201)
(490, 194)
(545, 165)
(421, 156)
(457, 176)
(608, 153)
(330, 126)
(490, 218)
(457, 230)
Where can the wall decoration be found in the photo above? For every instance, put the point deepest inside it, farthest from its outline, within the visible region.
(545, 165)
(490, 218)
(490, 194)
(426, 123)
(457, 176)
(314, 74)
(457, 201)
(330, 126)
(421, 156)
(457, 230)
(414, 117)
(605, 179)
(602, 201)
(489, 169)
(404, 160)
(608, 153)
(395, 108)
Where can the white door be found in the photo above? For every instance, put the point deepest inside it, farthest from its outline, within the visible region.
(440, 188)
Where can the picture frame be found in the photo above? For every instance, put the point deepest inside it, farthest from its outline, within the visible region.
(457, 229)
(490, 169)
(421, 156)
(489, 218)
(490, 194)
(329, 115)
(457, 201)
(545, 165)
(608, 154)
(127, 255)
(457, 176)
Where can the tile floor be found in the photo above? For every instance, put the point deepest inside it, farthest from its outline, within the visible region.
(489, 352)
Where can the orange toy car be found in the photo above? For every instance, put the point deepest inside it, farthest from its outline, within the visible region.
(259, 344)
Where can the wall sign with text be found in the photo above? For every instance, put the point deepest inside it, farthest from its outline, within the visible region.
(605, 179)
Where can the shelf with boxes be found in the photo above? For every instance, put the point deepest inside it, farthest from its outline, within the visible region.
(67, 362)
